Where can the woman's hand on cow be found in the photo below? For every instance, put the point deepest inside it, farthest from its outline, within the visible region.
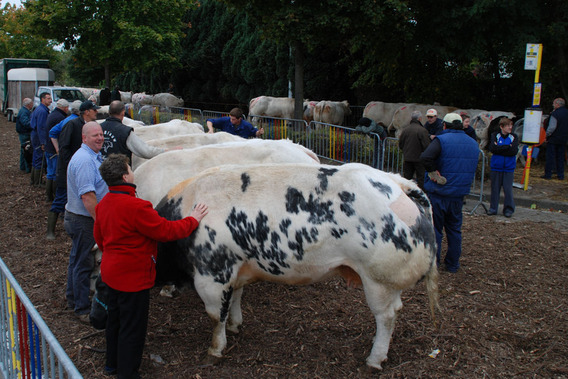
(199, 211)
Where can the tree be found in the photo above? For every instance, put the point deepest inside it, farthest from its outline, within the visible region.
(17, 39)
(136, 35)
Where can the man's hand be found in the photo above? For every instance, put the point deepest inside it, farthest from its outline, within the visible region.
(437, 178)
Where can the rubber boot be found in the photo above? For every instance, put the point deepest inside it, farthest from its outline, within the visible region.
(49, 192)
(32, 177)
(36, 176)
(51, 221)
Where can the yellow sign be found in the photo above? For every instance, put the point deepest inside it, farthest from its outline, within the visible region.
(532, 55)
(536, 94)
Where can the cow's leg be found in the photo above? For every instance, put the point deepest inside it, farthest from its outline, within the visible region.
(217, 299)
(235, 313)
(384, 303)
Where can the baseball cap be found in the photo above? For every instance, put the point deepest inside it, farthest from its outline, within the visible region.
(451, 117)
(431, 112)
(88, 105)
(62, 103)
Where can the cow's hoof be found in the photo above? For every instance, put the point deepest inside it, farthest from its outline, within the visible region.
(211, 360)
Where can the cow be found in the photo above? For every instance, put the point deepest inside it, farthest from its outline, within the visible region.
(155, 177)
(331, 112)
(309, 110)
(268, 106)
(298, 224)
(142, 98)
(167, 100)
(168, 129)
(186, 141)
(381, 112)
(401, 116)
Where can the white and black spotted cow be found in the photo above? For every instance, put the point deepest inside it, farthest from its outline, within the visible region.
(298, 224)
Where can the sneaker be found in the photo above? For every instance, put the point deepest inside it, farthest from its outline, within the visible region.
(507, 214)
(546, 177)
(491, 213)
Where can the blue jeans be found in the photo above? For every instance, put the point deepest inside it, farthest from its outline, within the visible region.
(447, 215)
(38, 152)
(51, 159)
(58, 204)
(554, 159)
(81, 262)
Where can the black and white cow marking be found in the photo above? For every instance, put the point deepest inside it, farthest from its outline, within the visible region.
(298, 224)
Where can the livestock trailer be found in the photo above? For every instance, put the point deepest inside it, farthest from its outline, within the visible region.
(7, 64)
(24, 82)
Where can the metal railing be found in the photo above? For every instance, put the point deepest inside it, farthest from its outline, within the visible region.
(28, 348)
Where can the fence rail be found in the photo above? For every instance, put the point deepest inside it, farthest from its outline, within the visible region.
(28, 349)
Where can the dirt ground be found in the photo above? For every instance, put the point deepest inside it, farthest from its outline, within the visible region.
(503, 314)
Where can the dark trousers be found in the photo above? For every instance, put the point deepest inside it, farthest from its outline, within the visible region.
(81, 261)
(24, 166)
(58, 204)
(502, 180)
(555, 159)
(126, 330)
(414, 167)
(38, 152)
(447, 215)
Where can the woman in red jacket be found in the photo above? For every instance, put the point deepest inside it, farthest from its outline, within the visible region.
(127, 230)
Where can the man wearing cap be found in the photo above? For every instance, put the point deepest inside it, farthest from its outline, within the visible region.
(54, 118)
(451, 162)
(37, 122)
(434, 124)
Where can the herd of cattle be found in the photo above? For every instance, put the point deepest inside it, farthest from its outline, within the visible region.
(276, 214)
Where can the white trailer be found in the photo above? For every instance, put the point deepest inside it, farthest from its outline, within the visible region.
(24, 82)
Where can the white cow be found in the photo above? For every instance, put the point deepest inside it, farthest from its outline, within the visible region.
(125, 97)
(157, 176)
(281, 107)
(168, 129)
(298, 224)
(187, 141)
(167, 100)
(381, 112)
(142, 98)
(401, 116)
(331, 112)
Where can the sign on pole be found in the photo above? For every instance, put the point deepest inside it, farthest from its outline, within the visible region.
(532, 56)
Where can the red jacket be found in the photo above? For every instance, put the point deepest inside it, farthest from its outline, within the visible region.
(127, 230)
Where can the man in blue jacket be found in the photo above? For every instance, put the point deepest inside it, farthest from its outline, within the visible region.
(38, 120)
(450, 161)
(23, 128)
(234, 124)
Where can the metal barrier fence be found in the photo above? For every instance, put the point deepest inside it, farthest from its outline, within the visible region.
(28, 349)
(337, 143)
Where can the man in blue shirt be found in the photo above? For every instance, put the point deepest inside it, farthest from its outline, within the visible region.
(37, 122)
(85, 188)
(234, 124)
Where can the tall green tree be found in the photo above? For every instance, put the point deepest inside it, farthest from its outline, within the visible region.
(115, 35)
(17, 39)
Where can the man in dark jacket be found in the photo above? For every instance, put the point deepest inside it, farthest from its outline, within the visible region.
(451, 162)
(434, 125)
(24, 129)
(413, 140)
(556, 138)
(54, 118)
(119, 138)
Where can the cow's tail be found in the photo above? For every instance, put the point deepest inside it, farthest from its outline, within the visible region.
(431, 277)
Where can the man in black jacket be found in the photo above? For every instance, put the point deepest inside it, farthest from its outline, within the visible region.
(119, 138)
(556, 138)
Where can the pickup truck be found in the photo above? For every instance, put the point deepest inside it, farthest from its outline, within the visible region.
(68, 93)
